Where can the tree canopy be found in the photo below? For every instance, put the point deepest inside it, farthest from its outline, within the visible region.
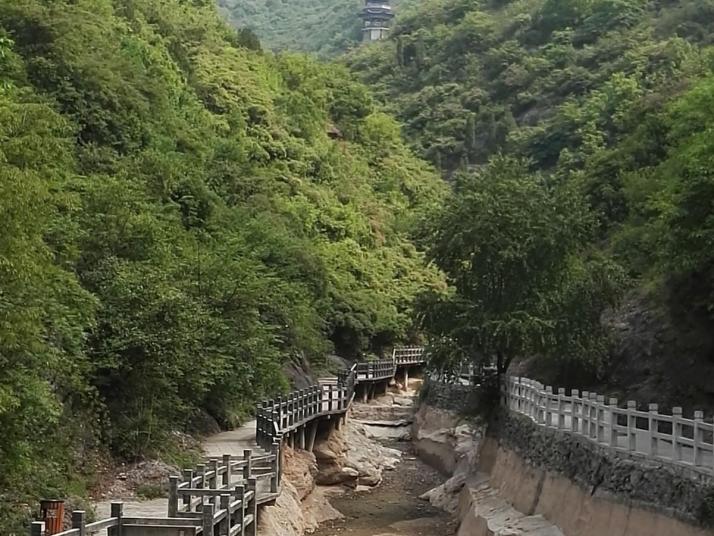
(515, 250)
(607, 99)
(183, 215)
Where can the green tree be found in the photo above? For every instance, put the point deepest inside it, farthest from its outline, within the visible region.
(514, 250)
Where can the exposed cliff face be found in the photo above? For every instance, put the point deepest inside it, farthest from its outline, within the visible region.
(658, 354)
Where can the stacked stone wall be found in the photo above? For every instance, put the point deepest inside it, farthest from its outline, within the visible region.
(681, 492)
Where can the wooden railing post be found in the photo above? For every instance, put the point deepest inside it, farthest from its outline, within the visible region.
(224, 529)
(173, 496)
(275, 467)
(186, 498)
(117, 511)
(227, 476)
(248, 467)
(201, 470)
(79, 521)
(253, 507)
(276, 419)
(240, 513)
(279, 404)
(208, 511)
(213, 481)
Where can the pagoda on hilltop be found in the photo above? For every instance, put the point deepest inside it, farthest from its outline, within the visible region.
(377, 16)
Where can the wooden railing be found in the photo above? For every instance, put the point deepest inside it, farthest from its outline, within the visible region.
(376, 370)
(408, 355)
(668, 438)
(285, 414)
(221, 496)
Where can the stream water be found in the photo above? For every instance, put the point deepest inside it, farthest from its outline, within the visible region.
(394, 507)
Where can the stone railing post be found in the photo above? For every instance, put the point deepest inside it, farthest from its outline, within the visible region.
(547, 412)
(575, 409)
(631, 426)
(612, 435)
(600, 416)
(653, 427)
(561, 408)
(698, 436)
(585, 421)
(676, 433)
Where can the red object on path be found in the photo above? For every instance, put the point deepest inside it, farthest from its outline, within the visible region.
(52, 512)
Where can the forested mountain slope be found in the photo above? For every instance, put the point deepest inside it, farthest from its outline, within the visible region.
(611, 99)
(326, 28)
(181, 215)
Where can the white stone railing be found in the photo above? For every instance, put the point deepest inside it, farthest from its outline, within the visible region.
(667, 438)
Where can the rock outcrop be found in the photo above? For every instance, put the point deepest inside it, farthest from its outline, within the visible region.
(348, 456)
(451, 444)
(301, 505)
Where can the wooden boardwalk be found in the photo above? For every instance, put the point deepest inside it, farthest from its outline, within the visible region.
(242, 468)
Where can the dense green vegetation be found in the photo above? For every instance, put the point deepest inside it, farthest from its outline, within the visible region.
(325, 27)
(181, 215)
(609, 99)
(522, 277)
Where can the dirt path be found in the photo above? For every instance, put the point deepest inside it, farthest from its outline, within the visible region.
(394, 507)
(232, 442)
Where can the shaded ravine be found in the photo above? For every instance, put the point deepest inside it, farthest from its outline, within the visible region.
(393, 508)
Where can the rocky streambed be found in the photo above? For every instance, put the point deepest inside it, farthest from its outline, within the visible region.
(395, 507)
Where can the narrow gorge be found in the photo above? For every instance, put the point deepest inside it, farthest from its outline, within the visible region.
(425, 463)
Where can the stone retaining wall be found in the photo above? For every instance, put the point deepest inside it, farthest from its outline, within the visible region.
(678, 491)
(461, 399)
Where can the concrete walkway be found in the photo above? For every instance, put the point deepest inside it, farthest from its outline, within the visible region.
(232, 442)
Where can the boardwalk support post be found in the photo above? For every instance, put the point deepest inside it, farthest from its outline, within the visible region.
(311, 437)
